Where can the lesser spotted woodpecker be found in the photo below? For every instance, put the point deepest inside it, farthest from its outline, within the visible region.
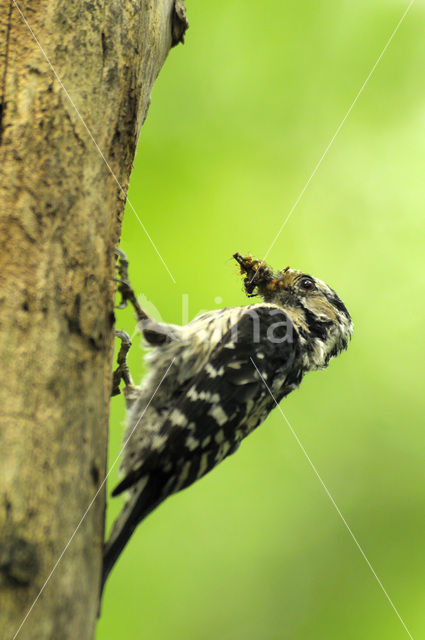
(214, 380)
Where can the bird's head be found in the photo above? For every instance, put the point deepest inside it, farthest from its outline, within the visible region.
(317, 313)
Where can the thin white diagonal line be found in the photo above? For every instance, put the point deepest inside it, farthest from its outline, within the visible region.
(90, 505)
(347, 526)
(341, 124)
(92, 139)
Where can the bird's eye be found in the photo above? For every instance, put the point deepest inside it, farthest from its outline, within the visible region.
(307, 284)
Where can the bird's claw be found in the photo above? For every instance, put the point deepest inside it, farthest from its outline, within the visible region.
(122, 371)
(124, 287)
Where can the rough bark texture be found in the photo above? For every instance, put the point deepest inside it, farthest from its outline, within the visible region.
(60, 218)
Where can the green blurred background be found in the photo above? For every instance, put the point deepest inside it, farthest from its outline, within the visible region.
(239, 118)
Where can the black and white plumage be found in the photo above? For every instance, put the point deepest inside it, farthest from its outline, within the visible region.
(205, 390)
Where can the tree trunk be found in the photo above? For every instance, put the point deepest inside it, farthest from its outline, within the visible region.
(61, 206)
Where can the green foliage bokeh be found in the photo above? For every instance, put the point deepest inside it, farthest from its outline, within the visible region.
(240, 116)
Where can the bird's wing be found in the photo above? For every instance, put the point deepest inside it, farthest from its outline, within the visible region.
(226, 400)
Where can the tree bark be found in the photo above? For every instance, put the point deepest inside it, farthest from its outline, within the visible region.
(60, 217)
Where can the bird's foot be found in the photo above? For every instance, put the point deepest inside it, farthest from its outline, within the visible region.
(122, 372)
(125, 288)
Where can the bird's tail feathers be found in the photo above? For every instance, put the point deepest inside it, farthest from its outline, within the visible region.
(142, 500)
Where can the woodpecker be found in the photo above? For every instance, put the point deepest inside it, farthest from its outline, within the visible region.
(213, 381)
